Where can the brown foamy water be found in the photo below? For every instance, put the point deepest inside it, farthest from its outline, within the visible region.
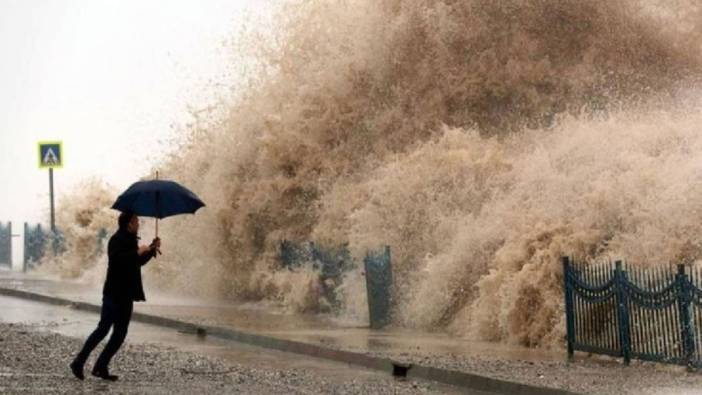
(479, 140)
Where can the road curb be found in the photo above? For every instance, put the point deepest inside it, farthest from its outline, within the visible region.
(445, 376)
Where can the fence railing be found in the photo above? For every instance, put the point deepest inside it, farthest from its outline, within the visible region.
(652, 314)
(39, 240)
(333, 262)
(6, 244)
(35, 238)
(378, 266)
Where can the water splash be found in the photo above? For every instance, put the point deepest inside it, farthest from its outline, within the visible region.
(82, 215)
(480, 140)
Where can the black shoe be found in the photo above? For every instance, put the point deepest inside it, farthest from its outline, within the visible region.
(77, 370)
(104, 374)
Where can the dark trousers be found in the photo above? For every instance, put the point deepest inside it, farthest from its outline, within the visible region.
(115, 313)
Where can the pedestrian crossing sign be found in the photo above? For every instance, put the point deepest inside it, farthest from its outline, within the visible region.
(50, 154)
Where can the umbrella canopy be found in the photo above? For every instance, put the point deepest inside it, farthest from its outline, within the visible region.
(158, 198)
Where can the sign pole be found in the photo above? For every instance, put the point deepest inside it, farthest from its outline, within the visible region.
(51, 196)
(51, 156)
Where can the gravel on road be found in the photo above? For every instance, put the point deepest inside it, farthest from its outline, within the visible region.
(33, 360)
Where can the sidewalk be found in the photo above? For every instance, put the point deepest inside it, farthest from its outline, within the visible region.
(268, 320)
(437, 351)
(39, 340)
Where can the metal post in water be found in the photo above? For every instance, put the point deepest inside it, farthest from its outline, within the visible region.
(570, 324)
(378, 269)
(684, 299)
(622, 312)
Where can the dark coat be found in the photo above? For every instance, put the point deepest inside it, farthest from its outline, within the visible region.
(124, 264)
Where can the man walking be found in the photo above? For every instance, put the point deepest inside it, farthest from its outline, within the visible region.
(122, 288)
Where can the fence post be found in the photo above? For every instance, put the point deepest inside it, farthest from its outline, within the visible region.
(9, 244)
(570, 316)
(622, 312)
(6, 244)
(26, 247)
(683, 297)
(378, 287)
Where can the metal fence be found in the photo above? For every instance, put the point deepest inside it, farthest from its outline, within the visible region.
(38, 241)
(333, 262)
(35, 240)
(6, 244)
(652, 314)
(378, 267)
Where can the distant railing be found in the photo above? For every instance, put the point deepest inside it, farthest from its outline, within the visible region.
(35, 238)
(6, 244)
(38, 240)
(652, 314)
(333, 262)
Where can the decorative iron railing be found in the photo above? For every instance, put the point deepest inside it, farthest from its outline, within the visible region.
(333, 262)
(652, 314)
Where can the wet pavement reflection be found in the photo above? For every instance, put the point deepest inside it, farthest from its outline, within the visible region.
(268, 319)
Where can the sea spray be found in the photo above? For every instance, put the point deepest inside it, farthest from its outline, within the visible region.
(479, 140)
(83, 220)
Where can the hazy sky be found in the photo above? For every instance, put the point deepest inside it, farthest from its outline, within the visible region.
(108, 78)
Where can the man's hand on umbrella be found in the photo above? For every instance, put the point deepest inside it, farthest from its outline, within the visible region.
(155, 246)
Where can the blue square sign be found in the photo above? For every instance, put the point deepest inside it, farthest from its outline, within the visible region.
(50, 155)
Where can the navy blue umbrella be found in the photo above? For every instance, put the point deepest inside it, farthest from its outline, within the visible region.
(158, 199)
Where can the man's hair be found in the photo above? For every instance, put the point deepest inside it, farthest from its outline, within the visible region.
(124, 219)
